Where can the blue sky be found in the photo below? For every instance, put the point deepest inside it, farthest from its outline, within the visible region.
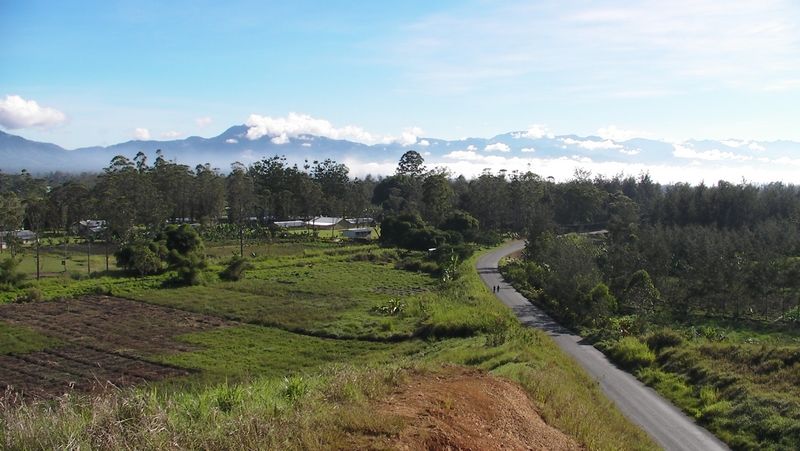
(104, 72)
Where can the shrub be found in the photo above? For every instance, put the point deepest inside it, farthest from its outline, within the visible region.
(294, 388)
(9, 273)
(391, 307)
(184, 252)
(103, 290)
(235, 269)
(139, 257)
(409, 232)
(418, 265)
(630, 353)
(31, 295)
(463, 223)
(599, 304)
(489, 238)
(664, 338)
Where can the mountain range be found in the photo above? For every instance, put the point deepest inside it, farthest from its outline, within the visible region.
(511, 151)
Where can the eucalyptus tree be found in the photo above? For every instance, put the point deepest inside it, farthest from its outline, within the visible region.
(241, 199)
(11, 216)
(209, 197)
(437, 197)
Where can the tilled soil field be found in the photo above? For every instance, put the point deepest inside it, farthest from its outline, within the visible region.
(105, 342)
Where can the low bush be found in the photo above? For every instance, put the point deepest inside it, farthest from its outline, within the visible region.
(663, 338)
(630, 353)
(235, 269)
(31, 295)
(417, 264)
(10, 276)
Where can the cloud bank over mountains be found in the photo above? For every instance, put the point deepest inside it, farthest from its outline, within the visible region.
(613, 151)
(281, 129)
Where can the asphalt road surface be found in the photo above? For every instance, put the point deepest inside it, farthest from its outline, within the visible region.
(665, 423)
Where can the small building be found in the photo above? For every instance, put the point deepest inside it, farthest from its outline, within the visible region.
(326, 222)
(294, 224)
(360, 222)
(20, 236)
(363, 233)
(89, 227)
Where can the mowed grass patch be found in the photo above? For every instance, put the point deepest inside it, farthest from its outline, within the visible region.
(323, 295)
(16, 339)
(247, 351)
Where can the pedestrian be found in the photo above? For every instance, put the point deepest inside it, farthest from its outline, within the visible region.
(494, 289)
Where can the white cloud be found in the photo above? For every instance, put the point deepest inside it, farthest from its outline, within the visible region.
(283, 138)
(306, 144)
(294, 125)
(535, 131)
(142, 134)
(463, 155)
(497, 147)
(592, 145)
(232, 141)
(733, 143)
(172, 134)
(630, 152)
(424, 143)
(471, 147)
(527, 150)
(16, 112)
(686, 151)
(409, 136)
(617, 134)
(736, 143)
(203, 121)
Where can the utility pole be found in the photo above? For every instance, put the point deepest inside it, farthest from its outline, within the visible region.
(89, 255)
(38, 275)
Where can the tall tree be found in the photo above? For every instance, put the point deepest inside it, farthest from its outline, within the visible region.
(411, 164)
(11, 215)
(437, 198)
(241, 199)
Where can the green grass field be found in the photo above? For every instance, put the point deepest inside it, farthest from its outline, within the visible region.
(332, 295)
(314, 344)
(21, 340)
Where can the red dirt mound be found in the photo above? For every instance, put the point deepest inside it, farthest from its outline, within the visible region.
(461, 409)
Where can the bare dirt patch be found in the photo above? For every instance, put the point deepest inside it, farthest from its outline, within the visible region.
(461, 409)
(105, 341)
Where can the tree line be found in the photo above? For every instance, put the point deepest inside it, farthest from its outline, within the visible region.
(724, 248)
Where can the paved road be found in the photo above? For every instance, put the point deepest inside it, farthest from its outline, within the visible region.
(668, 426)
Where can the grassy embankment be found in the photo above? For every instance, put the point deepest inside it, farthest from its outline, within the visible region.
(323, 334)
(738, 379)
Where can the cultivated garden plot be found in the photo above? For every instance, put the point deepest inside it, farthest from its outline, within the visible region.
(95, 341)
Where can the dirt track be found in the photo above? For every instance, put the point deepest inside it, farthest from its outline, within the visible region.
(104, 341)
